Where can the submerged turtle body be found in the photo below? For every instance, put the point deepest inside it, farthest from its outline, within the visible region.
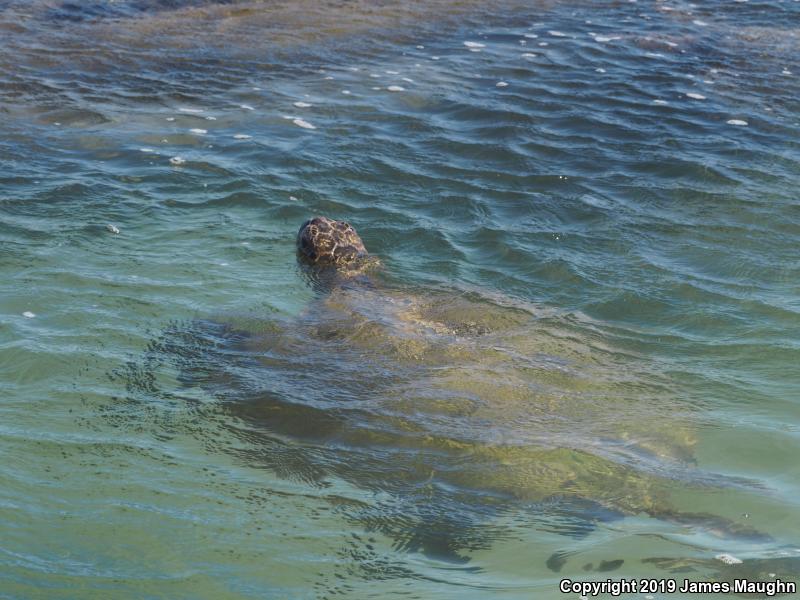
(483, 395)
(461, 406)
(390, 392)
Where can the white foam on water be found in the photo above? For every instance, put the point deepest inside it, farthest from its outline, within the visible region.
(112, 228)
(600, 70)
(148, 150)
(353, 68)
(301, 104)
(407, 79)
(474, 45)
(211, 118)
(736, 122)
(177, 160)
(185, 109)
(374, 75)
(729, 559)
(346, 92)
(294, 198)
(435, 57)
(661, 102)
(531, 36)
(556, 33)
(256, 89)
(523, 42)
(670, 44)
(695, 96)
(786, 72)
(393, 72)
(700, 23)
(28, 314)
(606, 38)
(420, 47)
(303, 123)
(246, 107)
(529, 55)
(170, 118)
(198, 131)
(242, 136)
(501, 84)
(329, 77)
(654, 55)
(377, 88)
(396, 88)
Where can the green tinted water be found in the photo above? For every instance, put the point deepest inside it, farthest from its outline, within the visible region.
(621, 248)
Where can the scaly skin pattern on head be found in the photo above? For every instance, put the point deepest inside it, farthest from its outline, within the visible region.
(323, 241)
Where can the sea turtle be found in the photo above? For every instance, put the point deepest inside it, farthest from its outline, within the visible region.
(452, 407)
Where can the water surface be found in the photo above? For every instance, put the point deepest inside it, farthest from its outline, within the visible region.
(586, 325)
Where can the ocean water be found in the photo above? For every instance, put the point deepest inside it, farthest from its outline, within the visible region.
(579, 358)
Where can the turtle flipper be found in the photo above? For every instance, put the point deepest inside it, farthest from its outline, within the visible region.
(716, 525)
(727, 568)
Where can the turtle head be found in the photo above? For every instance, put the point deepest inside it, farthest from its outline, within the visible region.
(324, 242)
(332, 249)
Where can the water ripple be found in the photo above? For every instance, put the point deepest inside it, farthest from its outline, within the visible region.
(593, 259)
